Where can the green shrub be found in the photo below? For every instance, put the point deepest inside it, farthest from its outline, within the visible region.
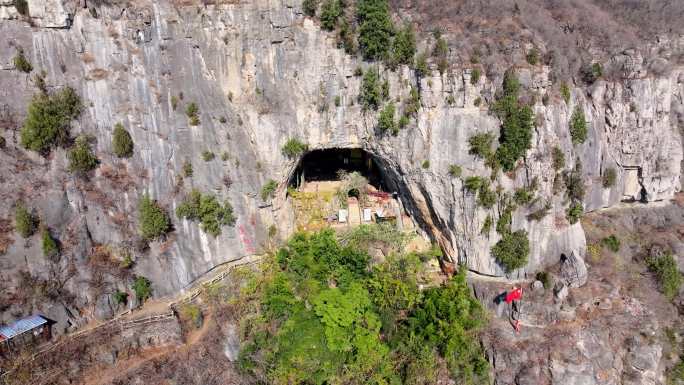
(578, 126)
(22, 7)
(187, 169)
(404, 46)
(174, 102)
(665, 269)
(293, 148)
(485, 196)
(565, 92)
(477, 102)
(49, 116)
(3, 142)
(49, 245)
(192, 111)
(122, 142)
(120, 297)
(516, 128)
(425, 164)
(142, 287)
(523, 196)
(24, 221)
(206, 209)
(574, 184)
(545, 278)
(371, 93)
(512, 251)
(338, 101)
(481, 144)
(268, 190)
(558, 158)
(81, 157)
(154, 222)
(331, 10)
(575, 212)
(375, 28)
(421, 66)
(413, 103)
(612, 243)
(609, 177)
(473, 183)
(372, 326)
(503, 224)
(675, 376)
(455, 171)
(487, 225)
(309, 7)
(403, 121)
(208, 156)
(533, 56)
(21, 63)
(475, 75)
(386, 120)
(441, 49)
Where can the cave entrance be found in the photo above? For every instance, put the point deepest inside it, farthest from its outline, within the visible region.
(343, 187)
(332, 164)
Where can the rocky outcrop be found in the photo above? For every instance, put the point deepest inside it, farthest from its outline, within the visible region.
(261, 73)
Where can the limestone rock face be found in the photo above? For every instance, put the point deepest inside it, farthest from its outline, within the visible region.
(573, 270)
(261, 73)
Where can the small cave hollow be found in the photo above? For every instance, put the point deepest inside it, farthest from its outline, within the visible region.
(345, 187)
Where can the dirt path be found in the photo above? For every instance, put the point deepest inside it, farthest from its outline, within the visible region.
(107, 375)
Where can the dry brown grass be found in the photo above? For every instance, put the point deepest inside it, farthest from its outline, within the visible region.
(88, 58)
(6, 239)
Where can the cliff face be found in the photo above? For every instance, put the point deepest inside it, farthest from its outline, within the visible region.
(262, 73)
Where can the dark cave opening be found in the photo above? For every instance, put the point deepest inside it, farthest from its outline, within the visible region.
(326, 164)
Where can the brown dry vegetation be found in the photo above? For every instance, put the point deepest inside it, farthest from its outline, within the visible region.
(573, 31)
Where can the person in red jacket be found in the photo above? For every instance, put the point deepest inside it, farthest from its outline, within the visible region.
(512, 297)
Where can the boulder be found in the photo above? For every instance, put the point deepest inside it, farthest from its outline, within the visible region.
(573, 270)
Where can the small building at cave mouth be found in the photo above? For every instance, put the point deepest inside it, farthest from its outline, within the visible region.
(23, 333)
(342, 188)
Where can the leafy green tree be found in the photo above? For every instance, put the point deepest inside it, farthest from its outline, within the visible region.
(516, 127)
(512, 251)
(386, 121)
(578, 126)
(154, 222)
(309, 7)
(24, 221)
(122, 142)
(294, 148)
(81, 157)
(404, 46)
(473, 183)
(49, 245)
(330, 12)
(49, 116)
(421, 66)
(142, 287)
(455, 171)
(375, 28)
(575, 212)
(371, 93)
(481, 144)
(206, 209)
